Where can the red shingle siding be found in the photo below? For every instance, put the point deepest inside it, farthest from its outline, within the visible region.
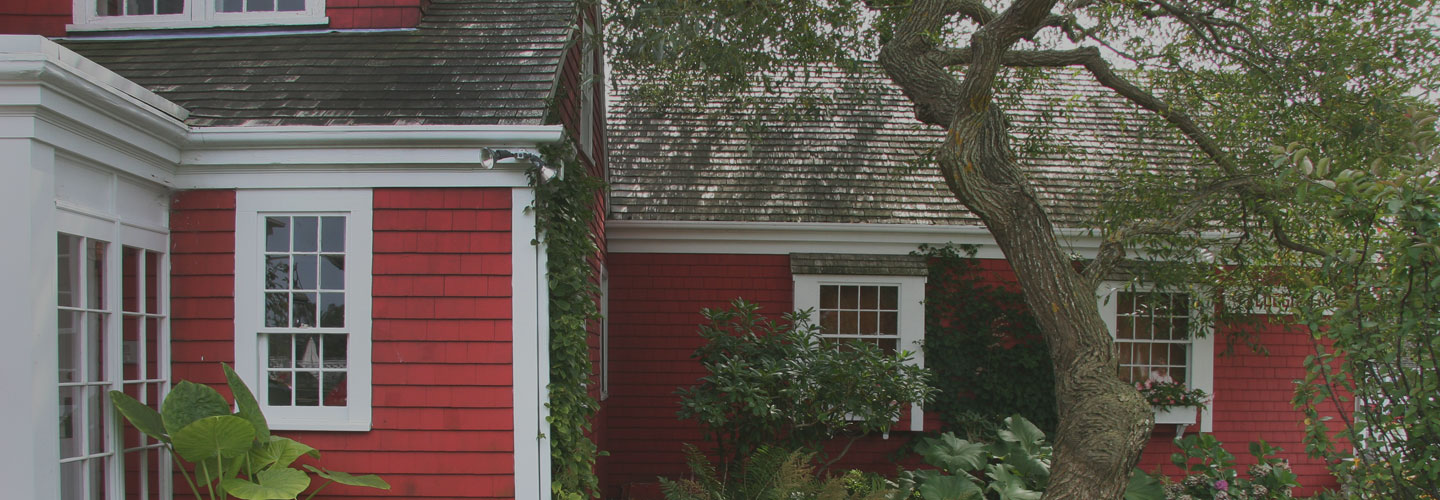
(363, 14)
(654, 311)
(1252, 402)
(34, 17)
(202, 277)
(442, 415)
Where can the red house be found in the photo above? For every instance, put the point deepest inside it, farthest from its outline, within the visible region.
(294, 187)
(823, 213)
(314, 191)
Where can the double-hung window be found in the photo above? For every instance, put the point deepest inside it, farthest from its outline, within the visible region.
(302, 305)
(877, 299)
(1156, 334)
(144, 14)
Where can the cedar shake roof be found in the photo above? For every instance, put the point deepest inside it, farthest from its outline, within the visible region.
(861, 159)
(470, 62)
(858, 264)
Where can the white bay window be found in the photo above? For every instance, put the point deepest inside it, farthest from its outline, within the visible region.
(155, 14)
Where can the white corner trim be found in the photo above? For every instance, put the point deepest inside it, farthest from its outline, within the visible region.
(529, 341)
(29, 55)
(372, 136)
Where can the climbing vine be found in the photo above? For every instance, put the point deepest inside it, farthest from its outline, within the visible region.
(565, 207)
(980, 339)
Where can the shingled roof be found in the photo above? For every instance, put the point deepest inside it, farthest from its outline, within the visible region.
(857, 159)
(470, 62)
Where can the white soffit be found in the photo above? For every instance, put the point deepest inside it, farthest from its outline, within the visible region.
(784, 238)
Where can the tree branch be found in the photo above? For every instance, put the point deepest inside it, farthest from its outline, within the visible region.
(1112, 249)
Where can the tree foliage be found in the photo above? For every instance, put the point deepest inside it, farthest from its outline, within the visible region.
(1233, 77)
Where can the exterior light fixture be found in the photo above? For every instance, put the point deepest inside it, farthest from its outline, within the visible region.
(489, 157)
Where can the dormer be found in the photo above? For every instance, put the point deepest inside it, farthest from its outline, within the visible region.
(93, 17)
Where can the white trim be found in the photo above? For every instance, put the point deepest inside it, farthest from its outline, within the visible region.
(348, 176)
(777, 238)
(249, 252)
(911, 315)
(529, 341)
(1202, 353)
(373, 135)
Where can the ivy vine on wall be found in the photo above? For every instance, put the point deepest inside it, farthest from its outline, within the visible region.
(983, 348)
(564, 209)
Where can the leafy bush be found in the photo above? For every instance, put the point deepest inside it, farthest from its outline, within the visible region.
(781, 384)
(977, 337)
(1211, 473)
(771, 473)
(1016, 466)
(195, 424)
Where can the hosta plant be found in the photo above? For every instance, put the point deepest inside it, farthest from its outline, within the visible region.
(231, 454)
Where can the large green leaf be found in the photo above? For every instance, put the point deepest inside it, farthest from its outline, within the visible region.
(281, 451)
(1027, 435)
(270, 484)
(245, 404)
(950, 488)
(206, 470)
(188, 402)
(1010, 486)
(144, 418)
(345, 478)
(1144, 487)
(223, 436)
(955, 455)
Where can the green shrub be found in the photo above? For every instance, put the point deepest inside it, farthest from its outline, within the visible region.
(779, 383)
(232, 454)
(1211, 472)
(771, 473)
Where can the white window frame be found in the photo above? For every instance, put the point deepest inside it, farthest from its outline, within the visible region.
(911, 319)
(197, 14)
(1201, 364)
(251, 207)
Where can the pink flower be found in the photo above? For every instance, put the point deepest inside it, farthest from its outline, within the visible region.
(1222, 485)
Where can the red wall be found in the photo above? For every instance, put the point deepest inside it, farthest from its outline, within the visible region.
(442, 409)
(49, 17)
(654, 312)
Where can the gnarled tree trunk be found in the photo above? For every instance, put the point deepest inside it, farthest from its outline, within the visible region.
(1104, 422)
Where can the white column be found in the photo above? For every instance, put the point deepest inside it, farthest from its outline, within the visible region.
(530, 341)
(29, 450)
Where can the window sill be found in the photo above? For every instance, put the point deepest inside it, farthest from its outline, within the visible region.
(1178, 415)
(129, 25)
(318, 425)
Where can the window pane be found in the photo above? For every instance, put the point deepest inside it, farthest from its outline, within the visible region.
(95, 274)
(152, 349)
(279, 389)
(291, 5)
(335, 350)
(95, 427)
(277, 272)
(170, 7)
(335, 390)
(279, 347)
(849, 322)
(277, 234)
(829, 322)
(890, 346)
(140, 7)
(332, 229)
(849, 297)
(829, 297)
(129, 348)
(1177, 354)
(152, 282)
(305, 273)
(277, 309)
(307, 388)
(230, 5)
(307, 350)
(68, 270)
(889, 323)
(306, 231)
(71, 476)
(332, 310)
(259, 5)
(332, 272)
(869, 322)
(1125, 353)
(69, 347)
(94, 347)
(130, 279)
(70, 419)
(303, 310)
